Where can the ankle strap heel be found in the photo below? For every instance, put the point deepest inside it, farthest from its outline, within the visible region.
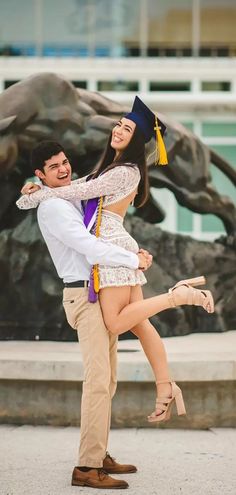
(166, 403)
(192, 297)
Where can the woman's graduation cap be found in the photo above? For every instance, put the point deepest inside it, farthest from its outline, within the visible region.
(150, 126)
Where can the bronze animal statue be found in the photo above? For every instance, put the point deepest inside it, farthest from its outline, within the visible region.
(47, 106)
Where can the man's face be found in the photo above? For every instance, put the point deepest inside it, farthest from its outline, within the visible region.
(57, 171)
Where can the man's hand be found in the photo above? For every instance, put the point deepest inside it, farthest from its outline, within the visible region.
(145, 259)
(29, 188)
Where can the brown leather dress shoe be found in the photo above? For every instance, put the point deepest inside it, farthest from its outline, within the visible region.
(112, 467)
(96, 478)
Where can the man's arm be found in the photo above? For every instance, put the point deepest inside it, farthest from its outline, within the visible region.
(65, 223)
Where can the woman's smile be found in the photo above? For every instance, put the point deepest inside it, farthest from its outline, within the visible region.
(117, 139)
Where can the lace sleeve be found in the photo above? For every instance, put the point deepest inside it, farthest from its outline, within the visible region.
(28, 201)
(120, 180)
(80, 180)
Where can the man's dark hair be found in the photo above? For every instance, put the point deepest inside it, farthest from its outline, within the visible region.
(42, 152)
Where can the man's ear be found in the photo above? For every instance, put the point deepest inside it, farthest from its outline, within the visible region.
(39, 174)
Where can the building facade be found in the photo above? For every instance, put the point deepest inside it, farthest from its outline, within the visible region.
(179, 56)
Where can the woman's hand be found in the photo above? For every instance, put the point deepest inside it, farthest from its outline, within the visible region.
(29, 188)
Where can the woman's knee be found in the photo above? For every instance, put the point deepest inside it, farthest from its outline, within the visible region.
(111, 326)
(111, 322)
(141, 328)
(113, 300)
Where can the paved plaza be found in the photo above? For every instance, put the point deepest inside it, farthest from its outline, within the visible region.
(39, 460)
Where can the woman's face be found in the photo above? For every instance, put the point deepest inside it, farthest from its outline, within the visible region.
(122, 134)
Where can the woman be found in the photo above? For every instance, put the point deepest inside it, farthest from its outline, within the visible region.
(121, 178)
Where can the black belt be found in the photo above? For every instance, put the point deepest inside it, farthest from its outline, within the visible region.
(78, 283)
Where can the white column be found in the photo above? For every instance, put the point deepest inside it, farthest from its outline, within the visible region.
(197, 226)
(196, 85)
(169, 204)
(92, 84)
(233, 86)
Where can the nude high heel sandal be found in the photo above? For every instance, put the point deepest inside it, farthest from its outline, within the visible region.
(195, 297)
(166, 404)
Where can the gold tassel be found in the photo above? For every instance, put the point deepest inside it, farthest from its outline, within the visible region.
(99, 217)
(97, 233)
(96, 278)
(161, 155)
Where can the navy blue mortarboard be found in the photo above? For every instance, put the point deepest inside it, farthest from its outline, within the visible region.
(150, 126)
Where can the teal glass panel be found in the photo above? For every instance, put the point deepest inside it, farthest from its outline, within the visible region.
(221, 129)
(227, 151)
(210, 223)
(184, 219)
(188, 125)
(223, 185)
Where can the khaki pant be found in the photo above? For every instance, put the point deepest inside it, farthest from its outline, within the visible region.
(99, 353)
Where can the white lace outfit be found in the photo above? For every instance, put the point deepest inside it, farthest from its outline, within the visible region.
(112, 230)
(113, 185)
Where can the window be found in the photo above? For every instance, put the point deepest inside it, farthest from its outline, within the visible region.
(216, 86)
(189, 125)
(169, 28)
(118, 86)
(9, 83)
(17, 28)
(217, 28)
(80, 84)
(169, 86)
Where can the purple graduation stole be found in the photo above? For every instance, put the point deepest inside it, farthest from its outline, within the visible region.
(91, 219)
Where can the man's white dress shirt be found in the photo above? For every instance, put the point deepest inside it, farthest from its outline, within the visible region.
(72, 248)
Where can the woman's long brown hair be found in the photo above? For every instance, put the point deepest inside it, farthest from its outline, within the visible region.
(133, 154)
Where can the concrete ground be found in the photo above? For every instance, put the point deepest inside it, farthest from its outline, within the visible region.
(39, 461)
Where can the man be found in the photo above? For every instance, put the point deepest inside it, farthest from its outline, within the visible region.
(73, 250)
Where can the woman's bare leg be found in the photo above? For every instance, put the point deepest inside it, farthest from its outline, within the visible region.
(151, 341)
(113, 301)
(154, 349)
(120, 316)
